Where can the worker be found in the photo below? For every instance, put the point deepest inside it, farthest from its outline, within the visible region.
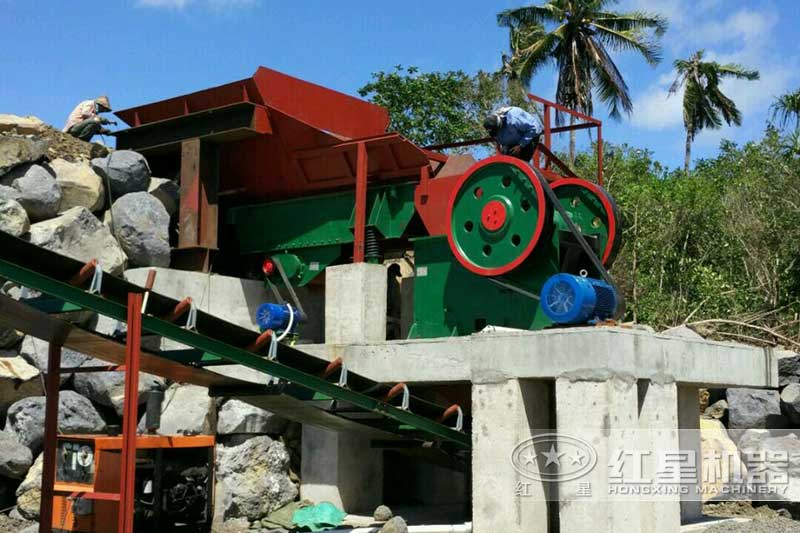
(85, 121)
(515, 131)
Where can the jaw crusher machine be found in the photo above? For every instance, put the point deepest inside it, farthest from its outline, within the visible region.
(283, 178)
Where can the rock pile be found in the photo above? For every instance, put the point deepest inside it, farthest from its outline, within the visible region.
(81, 200)
(56, 190)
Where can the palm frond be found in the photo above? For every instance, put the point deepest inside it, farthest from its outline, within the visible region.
(525, 16)
(633, 21)
(630, 40)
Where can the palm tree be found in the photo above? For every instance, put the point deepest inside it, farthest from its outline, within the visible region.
(786, 108)
(578, 36)
(704, 104)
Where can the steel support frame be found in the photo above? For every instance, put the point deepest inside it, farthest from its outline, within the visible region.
(52, 386)
(361, 203)
(130, 416)
(198, 211)
(129, 423)
(77, 296)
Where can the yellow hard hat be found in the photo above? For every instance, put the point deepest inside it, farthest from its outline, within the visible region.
(102, 101)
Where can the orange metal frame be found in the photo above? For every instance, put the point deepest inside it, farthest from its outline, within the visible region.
(129, 421)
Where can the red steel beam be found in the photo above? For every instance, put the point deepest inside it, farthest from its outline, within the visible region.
(361, 203)
(52, 384)
(130, 413)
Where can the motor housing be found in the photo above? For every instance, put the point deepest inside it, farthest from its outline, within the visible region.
(277, 317)
(570, 299)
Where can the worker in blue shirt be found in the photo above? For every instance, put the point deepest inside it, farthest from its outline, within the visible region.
(515, 131)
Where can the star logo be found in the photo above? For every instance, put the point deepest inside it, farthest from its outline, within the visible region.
(529, 459)
(578, 458)
(553, 457)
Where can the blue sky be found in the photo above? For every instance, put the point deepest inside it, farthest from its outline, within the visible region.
(57, 53)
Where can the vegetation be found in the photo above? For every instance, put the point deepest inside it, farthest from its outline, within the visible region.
(786, 109)
(441, 107)
(719, 243)
(578, 36)
(704, 104)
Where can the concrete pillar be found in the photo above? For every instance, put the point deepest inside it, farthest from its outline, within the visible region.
(658, 425)
(689, 423)
(505, 415)
(604, 413)
(338, 467)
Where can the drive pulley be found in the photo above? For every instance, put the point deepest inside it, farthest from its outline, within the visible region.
(497, 215)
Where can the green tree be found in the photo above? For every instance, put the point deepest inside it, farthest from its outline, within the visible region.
(578, 36)
(440, 107)
(704, 104)
(786, 108)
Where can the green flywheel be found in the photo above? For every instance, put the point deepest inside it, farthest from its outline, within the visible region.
(497, 215)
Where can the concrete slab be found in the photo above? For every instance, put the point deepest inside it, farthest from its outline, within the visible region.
(590, 353)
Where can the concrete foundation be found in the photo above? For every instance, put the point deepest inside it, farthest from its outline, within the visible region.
(610, 387)
(336, 467)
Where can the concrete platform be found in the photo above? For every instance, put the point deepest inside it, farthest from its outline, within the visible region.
(585, 353)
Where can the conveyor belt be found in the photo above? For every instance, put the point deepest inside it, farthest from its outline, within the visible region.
(302, 393)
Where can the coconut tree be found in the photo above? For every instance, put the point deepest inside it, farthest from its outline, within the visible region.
(578, 37)
(704, 104)
(786, 109)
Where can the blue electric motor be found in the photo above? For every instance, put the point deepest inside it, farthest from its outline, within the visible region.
(276, 316)
(569, 299)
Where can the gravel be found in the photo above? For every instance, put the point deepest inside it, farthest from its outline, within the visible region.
(758, 525)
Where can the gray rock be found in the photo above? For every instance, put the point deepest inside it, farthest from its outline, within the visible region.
(110, 327)
(253, 478)
(78, 234)
(790, 402)
(13, 218)
(35, 351)
(382, 514)
(18, 379)
(168, 193)
(754, 409)
(237, 417)
(16, 458)
(76, 414)
(28, 125)
(141, 224)
(187, 410)
(770, 456)
(684, 332)
(126, 171)
(80, 185)
(38, 189)
(9, 193)
(15, 151)
(788, 370)
(108, 388)
(395, 525)
(717, 410)
(29, 493)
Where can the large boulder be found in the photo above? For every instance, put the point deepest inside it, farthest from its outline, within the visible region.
(16, 458)
(775, 464)
(13, 218)
(753, 409)
(35, 351)
(80, 185)
(9, 193)
(29, 493)
(790, 402)
(788, 370)
(187, 410)
(108, 388)
(28, 125)
(76, 414)
(141, 223)
(15, 151)
(127, 171)
(168, 193)
(18, 379)
(38, 190)
(718, 449)
(78, 234)
(237, 417)
(253, 478)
